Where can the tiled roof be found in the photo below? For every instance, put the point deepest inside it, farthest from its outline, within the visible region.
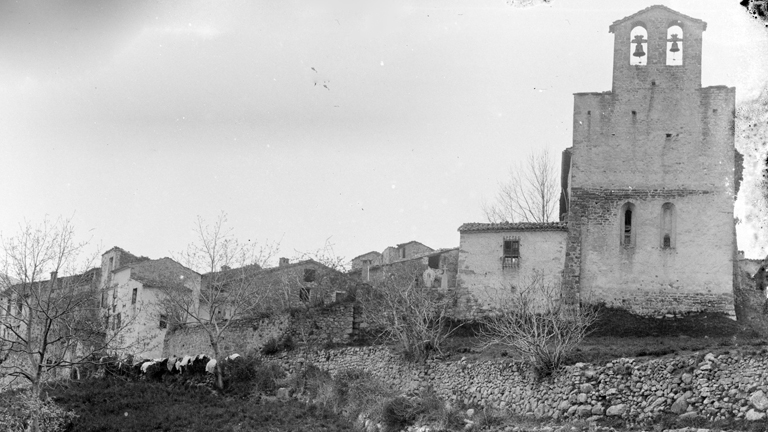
(413, 241)
(367, 253)
(509, 226)
(617, 22)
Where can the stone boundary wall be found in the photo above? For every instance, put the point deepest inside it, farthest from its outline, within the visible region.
(714, 387)
(314, 327)
(241, 337)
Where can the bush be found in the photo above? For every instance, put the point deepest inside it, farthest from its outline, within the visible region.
(536, 322)
(244, 374)
(274, 346)
(400, 412)
(271, 347)
(17, 408)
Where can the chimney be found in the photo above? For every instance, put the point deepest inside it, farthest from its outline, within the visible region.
(53, 275)
(283, 262)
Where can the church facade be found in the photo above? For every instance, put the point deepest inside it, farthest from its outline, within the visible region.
(648, 189)
(650, 181)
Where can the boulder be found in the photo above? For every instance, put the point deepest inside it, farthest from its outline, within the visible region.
(584, 410)
(759, 400)
(753, 415)
(283, 394)
(687, 378)
(581, 398)
(586, 388)
(679, 406)
(616, 410)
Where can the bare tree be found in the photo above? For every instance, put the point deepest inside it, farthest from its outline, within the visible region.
(530, 194)
(535, 322)
(49, 305)
(416, 317)
(228, 289)
(325, 256)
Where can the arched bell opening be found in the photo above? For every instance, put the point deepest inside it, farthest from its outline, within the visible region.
(674, 46)
(638, 40)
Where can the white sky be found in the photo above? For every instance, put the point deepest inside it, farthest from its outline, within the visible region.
(138, 116)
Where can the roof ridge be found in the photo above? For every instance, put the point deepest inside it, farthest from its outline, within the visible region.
(628, 17)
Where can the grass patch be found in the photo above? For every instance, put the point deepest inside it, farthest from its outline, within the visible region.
(112, 405)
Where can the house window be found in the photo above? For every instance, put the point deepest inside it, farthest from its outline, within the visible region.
(19, 305)
(304, 294)
(434, 262)
(106, 321)
(104, 299)
(163, 321)
(402, 253)
(118, 322)
(627, 217)
(638, 46)
(668, 226)
(133, 296)
(674, 46)
(511, 257)
(309, 275)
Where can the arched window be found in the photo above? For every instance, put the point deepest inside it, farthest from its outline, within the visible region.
(638, 46)
(674, 46)
(627, 219)
(668, 237)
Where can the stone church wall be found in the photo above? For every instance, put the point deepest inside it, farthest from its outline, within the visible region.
(656, 139)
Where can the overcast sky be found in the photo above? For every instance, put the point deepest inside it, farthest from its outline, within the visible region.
(369, 123)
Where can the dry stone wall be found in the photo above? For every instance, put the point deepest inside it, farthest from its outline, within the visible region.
(320, 326)
(713, 387)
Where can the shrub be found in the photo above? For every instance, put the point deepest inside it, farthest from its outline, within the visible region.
(17, 409)
(536, 322)
(308, 381)
(399, 412)
(266, 377)
(271, 347)
(274, 346)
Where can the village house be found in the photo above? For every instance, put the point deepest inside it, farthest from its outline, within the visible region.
(403, 251)
(498, 258)
(289, 285)
(435, 269)
(131, 298)
(24, 311)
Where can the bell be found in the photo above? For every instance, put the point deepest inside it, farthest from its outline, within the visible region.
(639, 51)
(675, 47)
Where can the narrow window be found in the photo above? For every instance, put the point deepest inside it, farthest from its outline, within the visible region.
(114, 307)
(19, 304)
(104, 299)
(309, 275)
(106, 322)
(133, 296)
(111, 263)
(668, 226)
(627, 227)
(627, 218)
(402, 253)
(674, 46)
(163, 321)
(638, 46)
(304, 294)
(511, 256)
(118, 322)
